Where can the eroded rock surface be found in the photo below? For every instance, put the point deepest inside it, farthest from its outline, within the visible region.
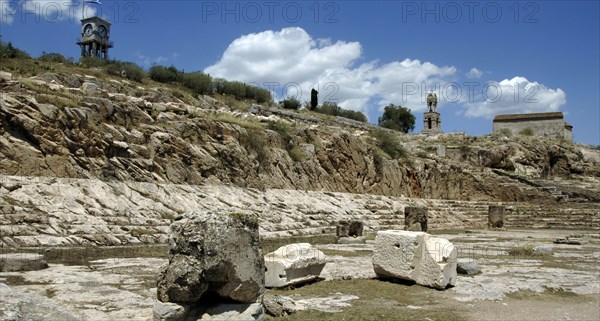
(217, 252)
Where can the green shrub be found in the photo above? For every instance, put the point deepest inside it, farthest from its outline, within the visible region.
(200, 83)
(297, 154)
(55, 57)
(389, 143)
(164, 74)
(128, 70)
(331, 108)
(283, 129)
(291, 103)
(8, 51)
(255, 140)
(352, 114)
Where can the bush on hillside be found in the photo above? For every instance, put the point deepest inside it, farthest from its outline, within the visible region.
(331, 108)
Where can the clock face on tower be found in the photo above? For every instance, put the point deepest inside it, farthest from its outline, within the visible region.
(102, 32)
(87, 30)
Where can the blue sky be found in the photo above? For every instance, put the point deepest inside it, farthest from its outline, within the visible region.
(481, 57)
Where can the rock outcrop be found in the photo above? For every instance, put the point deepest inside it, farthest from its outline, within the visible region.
(213, 252)
(293, 264)
(119, 130)
(415, 256)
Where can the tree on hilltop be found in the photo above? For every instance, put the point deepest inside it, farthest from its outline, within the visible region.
(397, 118)
(314, 99)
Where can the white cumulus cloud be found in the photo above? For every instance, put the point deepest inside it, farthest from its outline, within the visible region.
(293, 59)
(474, 73)
(513, 96)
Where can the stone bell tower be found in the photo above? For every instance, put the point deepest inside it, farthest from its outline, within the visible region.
(432, 121)
(94, 41)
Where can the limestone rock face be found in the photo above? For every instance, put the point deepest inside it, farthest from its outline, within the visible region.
(415, 256)
(18, 262)
(293, 264)
(216, 252)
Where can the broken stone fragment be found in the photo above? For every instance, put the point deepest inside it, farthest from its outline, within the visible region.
(467, 266)
(293, 264)
(415, 256)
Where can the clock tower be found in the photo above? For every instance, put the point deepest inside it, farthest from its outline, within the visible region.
(94, 41)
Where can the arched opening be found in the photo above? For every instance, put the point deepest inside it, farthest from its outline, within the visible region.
(429, 123)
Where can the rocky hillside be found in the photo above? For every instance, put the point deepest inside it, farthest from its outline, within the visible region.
(70, 122)
(93, 126)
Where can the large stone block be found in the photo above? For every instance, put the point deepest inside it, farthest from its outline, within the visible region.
(495, 216)
(213, 252)
(415, 256)
(293, 264)
(415, 218)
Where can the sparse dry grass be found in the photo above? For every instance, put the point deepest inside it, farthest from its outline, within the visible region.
(57, 101)
(378, 300)
(228, 118)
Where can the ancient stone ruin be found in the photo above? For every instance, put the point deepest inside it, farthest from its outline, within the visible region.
(415, 218)
(415, 256)
(350, 232)
(293, 264)
(540, 124)
(214, 259)
(496, 216)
